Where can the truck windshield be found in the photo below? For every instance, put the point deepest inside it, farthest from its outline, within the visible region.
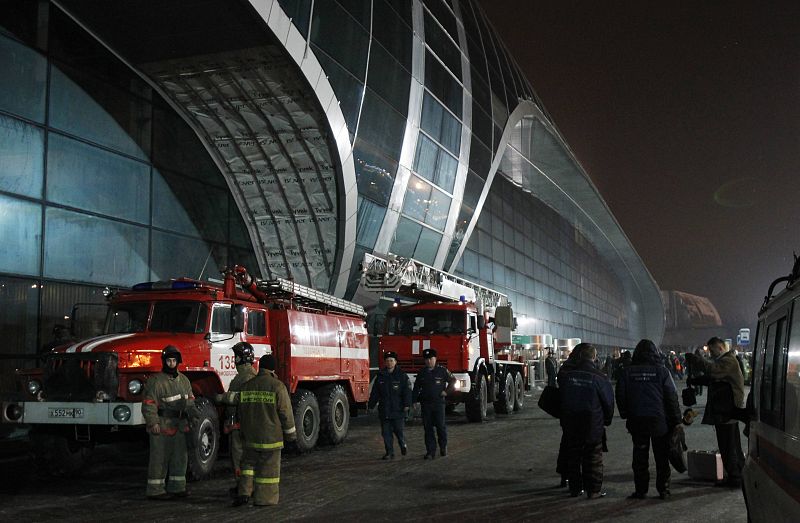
(179, 316)
(127, 317)
(426, 322)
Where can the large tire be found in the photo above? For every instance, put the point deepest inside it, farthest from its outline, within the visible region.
(59, 456)
(203, 441)
(477, 402)
(306, 419)
(334, 411)
(519, 391)
(505, 402)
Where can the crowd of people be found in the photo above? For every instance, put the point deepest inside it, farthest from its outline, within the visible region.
(259, 415)
(647, 399)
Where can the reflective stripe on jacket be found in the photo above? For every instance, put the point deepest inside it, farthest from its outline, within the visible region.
(173, 397)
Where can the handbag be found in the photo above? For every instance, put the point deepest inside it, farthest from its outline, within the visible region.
(550, 401)
(677, 449)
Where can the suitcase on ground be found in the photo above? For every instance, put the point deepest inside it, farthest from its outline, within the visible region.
(705, 465)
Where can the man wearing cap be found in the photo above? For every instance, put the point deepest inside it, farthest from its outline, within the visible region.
(266, 420)
(167, 407)
(392, 393)
(430, 391)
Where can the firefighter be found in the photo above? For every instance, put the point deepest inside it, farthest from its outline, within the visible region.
(244, 356)
(430, 390)
(392, 393)
(168, 407)
(266, 419)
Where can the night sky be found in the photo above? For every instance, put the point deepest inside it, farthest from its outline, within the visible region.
(686, 115)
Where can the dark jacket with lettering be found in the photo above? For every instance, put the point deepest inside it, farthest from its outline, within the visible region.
(587, 400)
(392, 393)
(646, 395)
(265, 412)
(430, 383)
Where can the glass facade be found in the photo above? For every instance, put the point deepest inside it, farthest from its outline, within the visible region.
(100, 183)
(105, 180)
(554, 277)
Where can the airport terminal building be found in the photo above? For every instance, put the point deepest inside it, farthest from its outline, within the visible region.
(146, 141)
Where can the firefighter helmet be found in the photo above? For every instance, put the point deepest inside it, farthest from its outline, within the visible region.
(171, 351)
(243, 353)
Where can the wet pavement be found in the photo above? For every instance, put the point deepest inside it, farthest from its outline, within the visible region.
(501, 469)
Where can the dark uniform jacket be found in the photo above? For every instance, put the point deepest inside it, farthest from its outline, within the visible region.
(392, 393)
(168, 402)
(265, 412)
(587, 400)
(550, 370)
(646, 394)
(430, 383)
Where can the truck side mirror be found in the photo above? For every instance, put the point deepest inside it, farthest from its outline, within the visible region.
(481, 322)
(237, 317)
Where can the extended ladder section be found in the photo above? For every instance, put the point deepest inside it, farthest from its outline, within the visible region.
(281, 289)
(414, 279)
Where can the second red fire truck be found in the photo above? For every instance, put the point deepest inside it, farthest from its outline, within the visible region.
(469, 326)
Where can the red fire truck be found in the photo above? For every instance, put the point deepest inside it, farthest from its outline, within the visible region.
(90, 391)
(469, 326)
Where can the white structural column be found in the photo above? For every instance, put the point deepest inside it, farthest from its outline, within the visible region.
(411, 134)
(466, 142)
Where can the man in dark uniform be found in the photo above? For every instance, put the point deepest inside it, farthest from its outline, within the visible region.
(648, 400)
(266, 420)
(587, 405)
(244, 356)
(550, 367)
(392, 393)
(167, 407)
(430, 390)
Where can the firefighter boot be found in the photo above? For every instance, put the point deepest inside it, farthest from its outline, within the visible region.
(240, 500)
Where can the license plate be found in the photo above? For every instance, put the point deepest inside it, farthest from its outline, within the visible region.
(65, 413)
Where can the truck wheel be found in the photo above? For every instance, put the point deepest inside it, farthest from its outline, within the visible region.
(203, 441)
(334, 410)
(505, 402)
(60, 456)
(519, 391)
(306, 419)
(476, 404)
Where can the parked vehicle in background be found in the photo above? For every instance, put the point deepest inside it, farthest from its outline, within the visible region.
(770, 486)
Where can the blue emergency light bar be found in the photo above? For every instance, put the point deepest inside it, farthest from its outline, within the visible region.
(176, 285)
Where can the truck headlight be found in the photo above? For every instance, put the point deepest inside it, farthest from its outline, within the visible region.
(135, 386)
(122, 413)
(34, 387)
(13, 412)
